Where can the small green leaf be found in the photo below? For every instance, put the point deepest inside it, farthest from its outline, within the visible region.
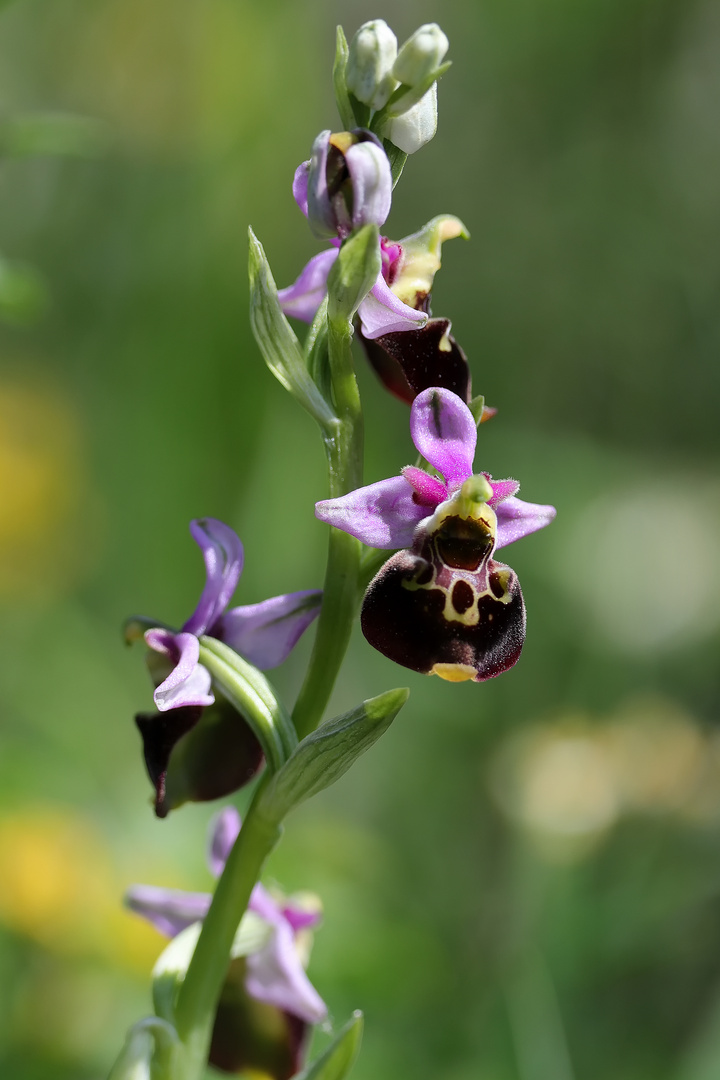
(476, 407)
(397, 159)
(336, 1062)
(326, 754)
(276, 339)
(316, 352)
(170, 970)
(249, 691)
(342, 97)
(353, 273)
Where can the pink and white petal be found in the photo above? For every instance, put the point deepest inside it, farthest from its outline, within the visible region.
(300, 186)
(265, 633)
(444, 431)
(276, 976)
(371, 178)
(383, 515)
(382, 313)
(502, 489)
(170, 910)
(189, 682)
(430, 490)
(516, 519)
(306, 294)
(224, 829)
(223, 555)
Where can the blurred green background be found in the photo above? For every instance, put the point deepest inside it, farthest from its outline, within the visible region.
(521, 881)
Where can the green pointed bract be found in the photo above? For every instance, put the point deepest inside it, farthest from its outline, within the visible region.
(353, 273)
(277, 340)
(325, 755)
(336, 1062)
(422, 253)
(249, 691)
(341, 91)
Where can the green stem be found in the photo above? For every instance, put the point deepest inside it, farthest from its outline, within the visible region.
(200, 990)
(344, 450)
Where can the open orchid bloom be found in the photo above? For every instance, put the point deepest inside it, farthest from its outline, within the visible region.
(444, 607)
(267, 989)
(197, 747)
(347, 184)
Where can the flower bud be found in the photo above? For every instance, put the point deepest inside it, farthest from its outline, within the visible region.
(369, 68)
(349, 183)
(411, 130)
(420, 54)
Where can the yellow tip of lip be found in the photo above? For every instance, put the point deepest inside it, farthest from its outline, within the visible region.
(453, 672)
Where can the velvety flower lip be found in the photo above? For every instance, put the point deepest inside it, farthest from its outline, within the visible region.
(263, 633)
(274, 974)
(387, 513)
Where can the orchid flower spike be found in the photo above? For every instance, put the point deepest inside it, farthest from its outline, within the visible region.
(266, 988)
(187, 758)
(445, 606)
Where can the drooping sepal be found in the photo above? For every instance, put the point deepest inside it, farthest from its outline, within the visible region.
(446, 607)
(327, 753)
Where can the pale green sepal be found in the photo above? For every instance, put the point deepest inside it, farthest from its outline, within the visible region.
(328, 752)
(316, 351)
(147, 1053)
(336, 1062)
(353, 273)
(249, 691)
(476, 407)
(340, 86)
(276, 339)
(422, 253)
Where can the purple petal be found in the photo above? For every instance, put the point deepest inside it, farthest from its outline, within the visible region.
(320, 212)
(224, 831)
(189, 682)
(170, 910)
(444, 432)
(502, 489)
(429, 489)
(265, 633)
(306, 294)
(300, 186)
(371, 178)
(517, 519)
(382, 313)
(383, 515)
(276, 976)
(223, 555)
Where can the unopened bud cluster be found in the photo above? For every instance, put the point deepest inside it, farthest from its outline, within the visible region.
(402, 83)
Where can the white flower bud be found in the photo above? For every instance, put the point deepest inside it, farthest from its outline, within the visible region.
(369, 69)
(415, 127)
(421, 54)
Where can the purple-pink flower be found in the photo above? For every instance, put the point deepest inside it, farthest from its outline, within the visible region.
(443, 605)
(386, 514)
(196, 746)
(263, 634)
(268, 971)
(346, 184)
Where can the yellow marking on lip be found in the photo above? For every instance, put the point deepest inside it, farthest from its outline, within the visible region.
(453, 672)
(342, 141)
